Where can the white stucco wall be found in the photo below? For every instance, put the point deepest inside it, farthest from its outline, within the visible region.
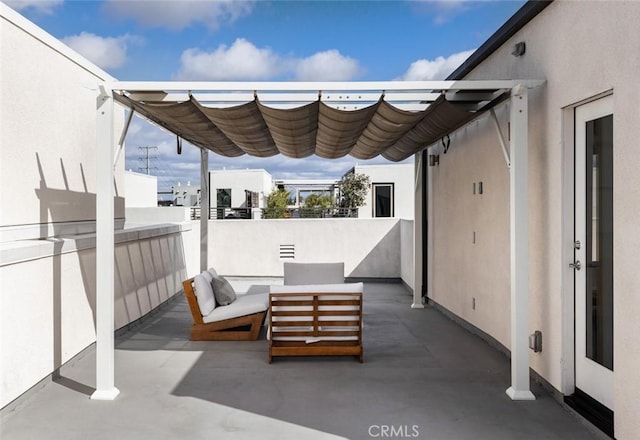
(47, 309)
(48, 132)
(48, 176)
(582, 49)
(402, 176)
(256, 180)
(369, 248)
(407, 272)
(140, 190)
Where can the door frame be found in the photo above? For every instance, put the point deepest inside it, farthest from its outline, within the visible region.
(568, 376)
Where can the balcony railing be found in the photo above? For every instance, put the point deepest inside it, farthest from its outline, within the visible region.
(246, 213)
(222, 213)
(327, 212)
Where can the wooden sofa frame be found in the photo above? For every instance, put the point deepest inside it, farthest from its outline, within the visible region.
(242, 328)
(313, 319)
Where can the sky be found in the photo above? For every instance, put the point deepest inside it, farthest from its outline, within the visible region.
(277, 40)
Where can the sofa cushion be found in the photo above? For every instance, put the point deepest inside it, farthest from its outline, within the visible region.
(242, 306)
(204, 293)
(320, 288)
(313, 273)
(213, 272)
(223, 291)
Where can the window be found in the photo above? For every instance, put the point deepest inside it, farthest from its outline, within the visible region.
(223, 197)
(383, 199)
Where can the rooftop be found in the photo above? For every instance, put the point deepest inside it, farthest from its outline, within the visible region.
(424, 376)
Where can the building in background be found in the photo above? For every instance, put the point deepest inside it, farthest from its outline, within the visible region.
(391, 193)
(140, 190)
(186, 195)
(243, 193)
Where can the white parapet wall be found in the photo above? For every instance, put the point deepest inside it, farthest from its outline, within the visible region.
(47, 308)
(407, 272)
(149, 216)
(370, 248)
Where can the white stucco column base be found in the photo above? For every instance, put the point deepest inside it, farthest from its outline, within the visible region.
(417, 305)
(110, 394)
(520, 394)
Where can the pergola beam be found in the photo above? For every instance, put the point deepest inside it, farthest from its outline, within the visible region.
(299, 97)
(301, 86)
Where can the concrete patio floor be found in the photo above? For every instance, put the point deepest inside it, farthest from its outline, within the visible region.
(424, 377)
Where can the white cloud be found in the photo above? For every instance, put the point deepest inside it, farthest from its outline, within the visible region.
(240, 61)
(176, 15)
(329, 65)
(442, 11)
(244, 61)
(42, 6)
(106, 52)
(437, 69)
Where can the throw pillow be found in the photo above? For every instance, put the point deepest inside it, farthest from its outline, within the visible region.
(204, 293)
(223, 291)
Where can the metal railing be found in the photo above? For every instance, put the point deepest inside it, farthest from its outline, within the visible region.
(246, 213)
(326, 212)
(222, 213)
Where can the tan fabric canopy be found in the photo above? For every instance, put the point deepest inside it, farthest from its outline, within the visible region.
(316, 128)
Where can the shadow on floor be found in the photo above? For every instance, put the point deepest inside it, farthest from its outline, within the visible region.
(423, 374)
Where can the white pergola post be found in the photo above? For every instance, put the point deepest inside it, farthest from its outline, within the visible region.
(519, 212)
(204, 209)
(105, 251)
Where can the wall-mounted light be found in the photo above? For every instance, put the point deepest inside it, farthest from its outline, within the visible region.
(434, 159)
(519, 49)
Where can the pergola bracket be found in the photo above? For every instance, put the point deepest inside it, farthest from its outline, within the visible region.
(123, 135)
(503, 143)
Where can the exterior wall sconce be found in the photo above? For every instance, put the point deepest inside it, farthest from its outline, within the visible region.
(434, 159)
(519, 49)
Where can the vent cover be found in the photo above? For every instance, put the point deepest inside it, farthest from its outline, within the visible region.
(287, 251)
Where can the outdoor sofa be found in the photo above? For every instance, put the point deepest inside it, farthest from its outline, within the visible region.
(314, 313)
(240, 320)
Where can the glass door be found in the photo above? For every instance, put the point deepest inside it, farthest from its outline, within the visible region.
(594, 250)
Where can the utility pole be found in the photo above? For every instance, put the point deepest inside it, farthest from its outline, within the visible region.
(147, 158)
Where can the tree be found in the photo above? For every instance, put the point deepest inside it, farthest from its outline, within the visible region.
(318, 201)
(316, 205)
(354, 190)
(276, 204)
